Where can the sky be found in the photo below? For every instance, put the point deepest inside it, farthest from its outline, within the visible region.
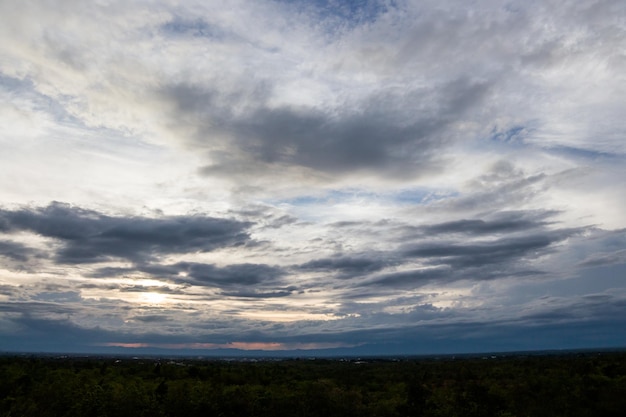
(312, 177)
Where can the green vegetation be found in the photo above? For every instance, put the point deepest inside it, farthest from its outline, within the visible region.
(567, 385)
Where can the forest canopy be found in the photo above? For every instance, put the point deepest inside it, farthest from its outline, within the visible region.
(590, 384)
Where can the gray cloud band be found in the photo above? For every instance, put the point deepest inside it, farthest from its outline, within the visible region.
(88, 236)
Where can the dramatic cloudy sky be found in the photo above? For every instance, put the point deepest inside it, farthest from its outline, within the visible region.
(370, 176)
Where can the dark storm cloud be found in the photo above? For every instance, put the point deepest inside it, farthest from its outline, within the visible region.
(260, 294)
(390, 134)
(90, 236)
(501, 245)
(152, 318)
(8, 290)
(412, 278)
(506, 222)
(598, 306)
(201, 273)
(35, 307)
(231, 275)
(496, 245)
(151, 289)
(349, 266)
(15, 251)
(58, 296)
(109, 272)
(608, 250)
(526, 238)
(499, 251)
(234, 279)
(349, 224)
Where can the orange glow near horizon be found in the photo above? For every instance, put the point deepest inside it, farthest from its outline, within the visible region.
(126, 345)
(232, 345)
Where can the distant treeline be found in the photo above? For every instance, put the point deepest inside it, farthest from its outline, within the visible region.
(591, 385)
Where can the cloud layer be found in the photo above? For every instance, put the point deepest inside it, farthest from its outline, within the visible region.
(382, 176)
